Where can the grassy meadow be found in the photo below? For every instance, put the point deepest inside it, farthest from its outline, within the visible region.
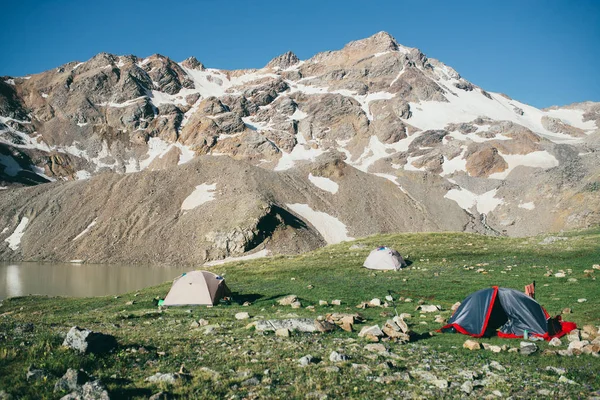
(236, 362)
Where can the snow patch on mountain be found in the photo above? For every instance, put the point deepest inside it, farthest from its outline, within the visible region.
(331, 228)
(484, 203)
(536, 159)
(86, 230)
(14, 240)
(157, 148)
(324, 183)
(465, 106)
(456, 164)
(572, 117)
(376, 150)
(202, 194)
(527, 206)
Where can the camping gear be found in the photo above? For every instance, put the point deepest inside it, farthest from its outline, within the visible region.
(384, 258)
(507, 313)
(196, 288)
(530, 290)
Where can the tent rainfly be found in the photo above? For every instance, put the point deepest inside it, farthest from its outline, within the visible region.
(384, 258)
(196, 288)
(507, 313)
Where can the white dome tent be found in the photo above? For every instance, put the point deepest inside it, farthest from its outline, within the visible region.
(384, 258)
(196, 288)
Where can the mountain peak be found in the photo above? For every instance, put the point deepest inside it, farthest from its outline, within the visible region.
(193, 63)
(379, 42)
(283, 61)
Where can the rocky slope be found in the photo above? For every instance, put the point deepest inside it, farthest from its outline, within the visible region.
(375, 137)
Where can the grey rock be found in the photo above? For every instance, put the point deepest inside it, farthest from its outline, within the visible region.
(72, 380)
(527, 348)
(337, 357)
(158, 377)
(557, 371)
(374, 331)
(467, 387)
(287, 300)
(306, 360)
(90, 391)
(555, 342)
(87, 341)
(36, 374)
(292, 324)
(251, 382)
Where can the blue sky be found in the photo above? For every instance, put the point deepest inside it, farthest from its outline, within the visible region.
(542, 52)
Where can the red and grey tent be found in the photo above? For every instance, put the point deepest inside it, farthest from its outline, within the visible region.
(507, 313)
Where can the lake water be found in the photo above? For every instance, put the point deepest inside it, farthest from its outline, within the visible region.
(80, 280)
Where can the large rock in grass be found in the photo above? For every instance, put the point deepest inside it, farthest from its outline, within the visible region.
(527, 348)
(90, 391)
(87, 341)
(294, 324)
(72, 380)
(472, 345)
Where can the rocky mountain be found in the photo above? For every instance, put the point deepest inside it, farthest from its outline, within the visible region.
(148, 160)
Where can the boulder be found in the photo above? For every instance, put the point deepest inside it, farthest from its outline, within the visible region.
(471, 345)
(392, 330)
(282, 332)
(574, 335)
(287, 300)
(242, 315)
(375, 302)
(371, 332)
(324, 326)
(306, 360)
(86, 341)
(159, 377)
(428, 308)
(293, 324)
(578, 345)
(555, 342)
(375, 348)
(35, 374)
(94, 390)
(72, 380)
(401, 324)
(527, 348)
(337, 357)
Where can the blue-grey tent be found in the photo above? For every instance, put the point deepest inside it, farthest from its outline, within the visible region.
(507, 313)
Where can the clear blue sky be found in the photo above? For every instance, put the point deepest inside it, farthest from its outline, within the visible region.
(542, 52)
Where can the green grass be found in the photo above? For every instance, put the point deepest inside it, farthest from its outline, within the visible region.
(442, 271)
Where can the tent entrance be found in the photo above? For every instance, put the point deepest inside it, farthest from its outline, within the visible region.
(497, 318)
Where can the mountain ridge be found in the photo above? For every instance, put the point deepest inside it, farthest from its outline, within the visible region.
(485, 162)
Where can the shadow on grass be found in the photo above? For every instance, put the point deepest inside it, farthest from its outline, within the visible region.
(129, 393)
(241, 298)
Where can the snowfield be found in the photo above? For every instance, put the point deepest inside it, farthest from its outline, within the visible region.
(202, 194)
(324, 183)
(331, 228)
(14, 240)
